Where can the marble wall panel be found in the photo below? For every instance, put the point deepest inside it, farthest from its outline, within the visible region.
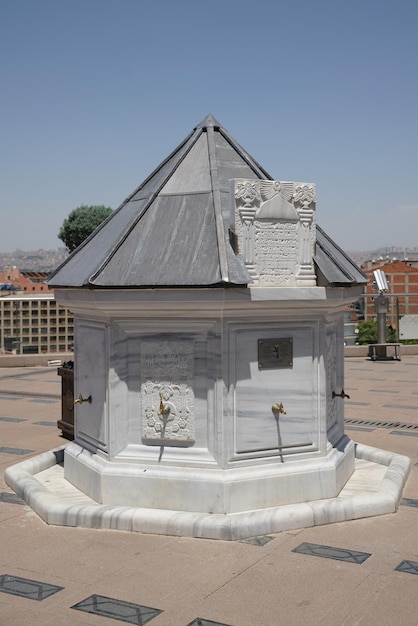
(91, 379)
(257, 427)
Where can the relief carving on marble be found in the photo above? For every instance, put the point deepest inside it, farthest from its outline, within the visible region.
(275, 229)
(167, 397)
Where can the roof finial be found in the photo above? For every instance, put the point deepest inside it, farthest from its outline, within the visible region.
(209, 121)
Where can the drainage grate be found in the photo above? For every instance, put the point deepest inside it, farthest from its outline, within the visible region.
(258, 541)
(409, 502)
(26, 588)
(329, 552)
(12, 419)
(11, 498)
(117, 609)
(204, 622)
(16, 395)
(409, 567)
(21, 451)
(377, 424)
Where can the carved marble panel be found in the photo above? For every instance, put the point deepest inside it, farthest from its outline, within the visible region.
(276, 252)
(167, 396)
(275, 228)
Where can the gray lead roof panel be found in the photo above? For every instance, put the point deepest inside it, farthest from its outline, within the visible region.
(175, 239)
(172, 231)
(335, 267)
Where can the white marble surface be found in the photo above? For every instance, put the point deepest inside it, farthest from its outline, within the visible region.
(209, 489)
(256, 389)
(222, 450)
(91, 374)
(375, 488)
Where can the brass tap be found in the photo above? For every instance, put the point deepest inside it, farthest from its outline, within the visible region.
(80, 400)
(163, 410)
(340, 395)
(278, 408)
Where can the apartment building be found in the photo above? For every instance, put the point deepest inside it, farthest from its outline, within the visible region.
(35, 324)
(31, 321)
(402, 277)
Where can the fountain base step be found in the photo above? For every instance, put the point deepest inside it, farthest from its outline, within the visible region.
(375, 488)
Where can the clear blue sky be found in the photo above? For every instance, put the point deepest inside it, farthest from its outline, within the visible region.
(96, 93)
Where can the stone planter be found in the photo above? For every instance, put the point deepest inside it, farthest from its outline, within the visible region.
(66, 423)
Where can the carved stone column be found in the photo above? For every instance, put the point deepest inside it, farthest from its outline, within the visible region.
(304, 199)
(248, 191)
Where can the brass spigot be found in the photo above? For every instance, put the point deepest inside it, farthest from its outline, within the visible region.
(340, 395)
(278, 408)
(164, 409)
(80, 400)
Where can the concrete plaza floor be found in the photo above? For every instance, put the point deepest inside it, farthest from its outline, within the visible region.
(349, 573)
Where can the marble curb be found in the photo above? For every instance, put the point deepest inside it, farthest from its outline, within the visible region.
(61, 504)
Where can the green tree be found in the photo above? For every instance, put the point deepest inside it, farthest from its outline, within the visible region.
(80, 223)
(367, 333)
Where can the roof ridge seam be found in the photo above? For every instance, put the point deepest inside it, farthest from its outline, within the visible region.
(214, 175)
(250, 161)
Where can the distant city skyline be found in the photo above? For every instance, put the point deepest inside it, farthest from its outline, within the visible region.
(49, 259)
(96, 94)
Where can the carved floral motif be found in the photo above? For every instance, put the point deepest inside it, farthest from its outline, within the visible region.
(248, 191)
(167, 373)
(305, 194)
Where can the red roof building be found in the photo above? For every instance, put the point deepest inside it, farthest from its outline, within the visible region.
(23, 283)
(402, 279)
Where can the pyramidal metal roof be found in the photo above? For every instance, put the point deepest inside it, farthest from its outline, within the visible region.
(172, 231)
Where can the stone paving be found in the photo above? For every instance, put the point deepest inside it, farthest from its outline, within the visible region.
(348, 573)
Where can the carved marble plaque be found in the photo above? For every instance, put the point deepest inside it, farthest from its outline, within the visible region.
(276, 252)
(275, 228)
(167, 397)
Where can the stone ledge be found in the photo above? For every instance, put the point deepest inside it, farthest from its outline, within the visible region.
(363, 351)
(375, 488)
(35, 360)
